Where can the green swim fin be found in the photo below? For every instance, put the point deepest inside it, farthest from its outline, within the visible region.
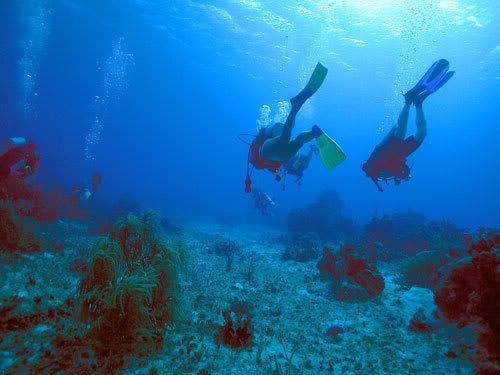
(329, 151)
(315, 82)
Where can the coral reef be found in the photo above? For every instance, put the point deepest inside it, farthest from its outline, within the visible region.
(16, 233)
(302, 247)
(169, 227)
(324, 217)
(99, 228)
(468, 295)
(28, 199)
(131, 291)
(423, 269)
(410, 233)
(352, 278)
(489, 240)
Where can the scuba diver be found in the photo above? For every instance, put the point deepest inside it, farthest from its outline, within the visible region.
(299, 163)
(263, 202)
(81, 196)
(21, 155)
(273, 146)
(388, 160)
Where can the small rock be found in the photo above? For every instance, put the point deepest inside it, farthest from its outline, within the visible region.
(41, 328)
(303, 292)
(22, 294)
(6, 363)
(238, 286)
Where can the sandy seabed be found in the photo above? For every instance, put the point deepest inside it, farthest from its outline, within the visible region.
(291, 309)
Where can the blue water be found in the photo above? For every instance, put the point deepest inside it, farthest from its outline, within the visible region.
(153, 94)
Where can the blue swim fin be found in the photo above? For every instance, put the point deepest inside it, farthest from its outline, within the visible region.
(432, 88)
(433, 79)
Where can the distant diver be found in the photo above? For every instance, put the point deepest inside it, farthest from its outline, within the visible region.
(81, 196)
(299, 163)
(388, 160)
(273, 146)
(263, 202)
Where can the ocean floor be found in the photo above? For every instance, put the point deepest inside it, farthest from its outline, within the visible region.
(291, 310)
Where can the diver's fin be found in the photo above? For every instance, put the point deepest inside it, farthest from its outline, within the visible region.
(315, 82)
(431, 78)
(445, 79)
(330, 152)
(435, 73)
(418, 100)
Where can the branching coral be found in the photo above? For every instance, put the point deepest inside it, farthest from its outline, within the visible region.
(132, 289)
(227, 248)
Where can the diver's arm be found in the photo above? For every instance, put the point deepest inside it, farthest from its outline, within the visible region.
(421, 126)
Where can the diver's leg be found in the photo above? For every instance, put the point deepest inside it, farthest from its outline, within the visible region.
(421, 125)
(313, 85)
(290, 122)
(299, 141)
(402, 126)
(398, 130)
(281, 149)
(309, 156)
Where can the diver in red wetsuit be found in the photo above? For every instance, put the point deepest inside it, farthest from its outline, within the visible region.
(388, 160)
(80, 196)
(273, 146)
(20, 154)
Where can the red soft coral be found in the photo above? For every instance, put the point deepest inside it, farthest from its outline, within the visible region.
(327, 265)
(352, 278)
(238, 333)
